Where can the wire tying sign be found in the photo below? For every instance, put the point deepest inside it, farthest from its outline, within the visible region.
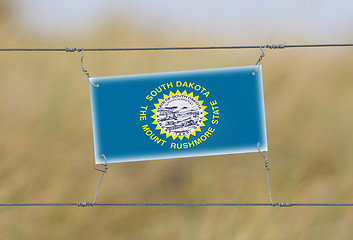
(178, 114)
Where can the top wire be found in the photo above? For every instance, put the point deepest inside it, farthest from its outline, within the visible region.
(273, 46)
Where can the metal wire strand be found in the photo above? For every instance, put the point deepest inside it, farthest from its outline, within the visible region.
(82, 67)
(87, 204)
(103, 173)
(270, 46)
(263, 154)
(260, 59)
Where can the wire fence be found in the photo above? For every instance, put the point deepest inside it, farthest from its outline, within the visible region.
(89, 204)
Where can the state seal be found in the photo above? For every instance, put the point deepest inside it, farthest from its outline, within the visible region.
(179, 115)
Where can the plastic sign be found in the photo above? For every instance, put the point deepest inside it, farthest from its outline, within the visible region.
(178, 114)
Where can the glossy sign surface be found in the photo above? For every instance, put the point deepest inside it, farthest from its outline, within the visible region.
(178, 114)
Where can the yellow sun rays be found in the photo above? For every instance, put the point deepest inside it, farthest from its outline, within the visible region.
(178, 93)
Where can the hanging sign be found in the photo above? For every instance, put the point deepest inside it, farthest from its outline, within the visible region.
(178, 114)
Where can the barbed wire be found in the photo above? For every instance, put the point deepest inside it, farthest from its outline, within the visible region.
(270, 46)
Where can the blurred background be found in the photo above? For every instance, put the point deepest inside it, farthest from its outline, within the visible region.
(46, 141)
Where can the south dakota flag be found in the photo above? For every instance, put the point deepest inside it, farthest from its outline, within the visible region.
(178, 114)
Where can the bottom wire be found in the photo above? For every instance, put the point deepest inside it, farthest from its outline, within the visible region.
(87, 204)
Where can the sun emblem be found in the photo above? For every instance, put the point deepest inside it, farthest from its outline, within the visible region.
(179, 115)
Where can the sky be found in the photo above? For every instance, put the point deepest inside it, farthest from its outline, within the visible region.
(314, 20)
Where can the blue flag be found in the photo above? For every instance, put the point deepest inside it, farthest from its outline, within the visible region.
(178, 114)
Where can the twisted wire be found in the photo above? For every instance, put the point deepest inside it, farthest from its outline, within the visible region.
(82, 67)
(103, 173)
(263, 154)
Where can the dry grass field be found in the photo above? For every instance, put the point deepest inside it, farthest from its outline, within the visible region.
(46, 146)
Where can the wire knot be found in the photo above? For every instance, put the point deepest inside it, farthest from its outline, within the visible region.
(84, 70)
(263, 48)
(260, 59)
(283, 204)
(261, 56)
(263, 154)
(84, 204)
(67, 49)
(276, 46)
(105, 164)
(267, 164)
